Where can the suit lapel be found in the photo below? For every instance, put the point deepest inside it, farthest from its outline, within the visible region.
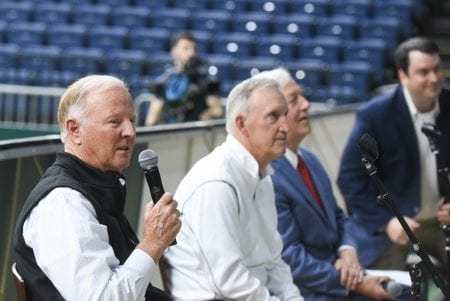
(405, 125)
(292, 175)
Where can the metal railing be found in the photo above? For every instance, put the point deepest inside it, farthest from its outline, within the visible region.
(29, 105)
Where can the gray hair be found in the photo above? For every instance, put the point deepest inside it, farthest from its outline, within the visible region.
(72, 103)
(280, 75)
(238, 99)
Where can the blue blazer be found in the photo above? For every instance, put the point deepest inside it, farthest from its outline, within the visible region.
(387, 119)
(311, 236)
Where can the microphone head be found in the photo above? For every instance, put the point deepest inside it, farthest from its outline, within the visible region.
(393, 288)
(368, 146)
(148, 158)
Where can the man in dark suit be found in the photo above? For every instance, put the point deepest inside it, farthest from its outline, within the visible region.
(317, 235)
(406, 165)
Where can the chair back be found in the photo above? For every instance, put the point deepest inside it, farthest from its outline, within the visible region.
(19, 283)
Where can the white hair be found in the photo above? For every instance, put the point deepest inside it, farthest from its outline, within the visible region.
(280, 75)
(238, 99)
(72, 103)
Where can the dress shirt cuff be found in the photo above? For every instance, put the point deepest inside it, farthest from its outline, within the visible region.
(346, 247)
(142, 263)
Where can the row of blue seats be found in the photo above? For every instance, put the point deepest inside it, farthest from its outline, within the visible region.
(33, 69)
(277, 7)
(288, 31)
(342, 25)
(337, 90)
(151, 60)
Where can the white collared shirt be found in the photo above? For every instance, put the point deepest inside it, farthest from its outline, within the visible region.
(428, 167)
(71, 247)
(228, 247)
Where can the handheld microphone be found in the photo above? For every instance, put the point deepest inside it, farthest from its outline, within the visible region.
(148, 160)
(393, 288)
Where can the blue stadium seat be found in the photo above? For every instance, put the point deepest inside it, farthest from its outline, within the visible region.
(130, 16)
(193, 5)
(115, 3)
(8, 55)
(237, 44)
(67, 35)
(203, 40)
(26, 33)
(385, 28)
(12, 11)
(327, 49)
(357, 8)
(400, 9)
(16, 76)
(138, 84)
(371, 50)
(125, 63)
(299, 25)
(335, 96)
(211, 20)
(309, 73)
(52, 13)
(275, 7)
(149, 39)
(54, 78)
(176, 19)
(3, 28)
(233, 6)
(83, 61)
(152, 4)
(354, 74)
(39, 58)
(312, 7)
(221, 66)
(279, 46)
(91, 14)
(157, 62)
(107, 37)
(257, 23)
(341, 26)
(249, 67)
(79, 2)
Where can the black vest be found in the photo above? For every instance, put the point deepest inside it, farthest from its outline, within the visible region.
(107, 195)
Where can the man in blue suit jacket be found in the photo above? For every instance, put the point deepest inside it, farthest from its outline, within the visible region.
(405, 165)
(317, 243)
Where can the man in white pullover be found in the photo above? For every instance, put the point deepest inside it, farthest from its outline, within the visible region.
(229, 247)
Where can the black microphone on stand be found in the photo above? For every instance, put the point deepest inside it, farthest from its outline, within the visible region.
(148, 160)
(369, 151)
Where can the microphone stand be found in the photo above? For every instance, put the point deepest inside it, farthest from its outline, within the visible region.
(415, 272)
(433, 136)
(386, 199)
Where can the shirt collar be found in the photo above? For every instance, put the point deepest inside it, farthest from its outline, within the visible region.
(291, 157)
(413, 110)
(247, 160)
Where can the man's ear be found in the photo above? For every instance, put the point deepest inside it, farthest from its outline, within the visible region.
(73, 129)
(402, 76)
(240, 124)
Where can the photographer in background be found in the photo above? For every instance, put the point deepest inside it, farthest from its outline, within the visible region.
(184, 92)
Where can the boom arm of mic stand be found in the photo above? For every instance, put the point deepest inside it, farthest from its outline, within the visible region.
(433, 136)
(386, 199)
